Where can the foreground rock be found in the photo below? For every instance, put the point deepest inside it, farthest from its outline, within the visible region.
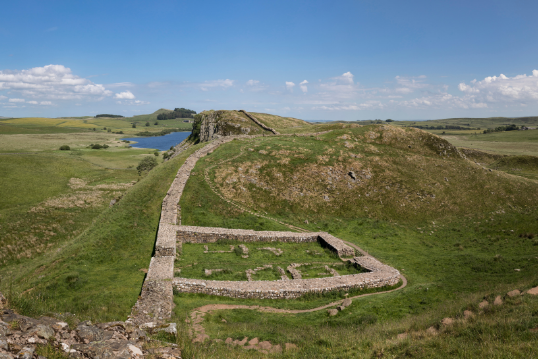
(20, 336)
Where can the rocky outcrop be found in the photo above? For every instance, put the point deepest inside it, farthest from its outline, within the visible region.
(211, 125)
(20, 336)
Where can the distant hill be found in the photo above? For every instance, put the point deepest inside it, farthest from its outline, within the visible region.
(149, 117)
(482, 123)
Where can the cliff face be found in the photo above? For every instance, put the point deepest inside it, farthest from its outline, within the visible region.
(210, 125)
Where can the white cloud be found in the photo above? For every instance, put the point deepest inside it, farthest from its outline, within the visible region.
(368, 105)
(339, 88)
(51, 81)
(521, 89)
(303, 86)
(444, 101)
(290, 86)
(409, 84)
(16, 100)
(2, 97)
(255, 86)
(126, 95)
(121, 84)
(346, 78)
(205, 86)
(43, 103)
(132, 102)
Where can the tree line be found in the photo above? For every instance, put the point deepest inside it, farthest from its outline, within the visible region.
(108, 115)
(444, 127)
(511, 127)
(177, 113)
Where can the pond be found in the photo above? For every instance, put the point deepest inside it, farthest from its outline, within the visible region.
(162, 143)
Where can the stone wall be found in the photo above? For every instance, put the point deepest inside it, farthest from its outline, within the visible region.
(191, 234)
(259, 123)
(380, 276)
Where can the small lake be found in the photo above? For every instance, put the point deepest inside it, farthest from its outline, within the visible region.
(162, 143)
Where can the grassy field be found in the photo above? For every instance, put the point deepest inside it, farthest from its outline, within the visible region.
(193, 261)
(482, 123)
(36, 125)
(460, 236)
(95, 274)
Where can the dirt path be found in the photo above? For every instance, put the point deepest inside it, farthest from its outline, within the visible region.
(197, 315)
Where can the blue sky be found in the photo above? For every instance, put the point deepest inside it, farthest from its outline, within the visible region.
(316, 60)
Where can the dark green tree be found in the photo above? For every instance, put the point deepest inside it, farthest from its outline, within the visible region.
(146, 164)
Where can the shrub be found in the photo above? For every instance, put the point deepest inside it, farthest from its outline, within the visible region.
(65, 148)
(156, 153)
(98, 146)
(156, 123)
(146, 164)
(147, 124)
(109, 130)
(134, 125)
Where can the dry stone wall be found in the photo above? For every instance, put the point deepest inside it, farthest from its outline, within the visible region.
(288, 289)
(259, 123)
(155, 303)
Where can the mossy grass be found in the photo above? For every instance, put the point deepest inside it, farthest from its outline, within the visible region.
(193, 261)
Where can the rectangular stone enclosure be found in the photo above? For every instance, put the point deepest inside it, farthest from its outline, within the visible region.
(188, 234)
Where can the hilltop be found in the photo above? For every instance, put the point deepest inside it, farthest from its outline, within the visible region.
(377, 171)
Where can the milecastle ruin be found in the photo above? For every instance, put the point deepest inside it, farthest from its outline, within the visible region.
(156, 300)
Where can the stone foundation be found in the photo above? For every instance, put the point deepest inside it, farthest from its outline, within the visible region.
(192, 234)
(286, 289)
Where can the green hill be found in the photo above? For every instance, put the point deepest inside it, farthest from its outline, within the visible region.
(378, 171)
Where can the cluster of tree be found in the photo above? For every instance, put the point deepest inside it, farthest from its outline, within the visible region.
(107, 115)
(177, 113)
(166, 131)
(511, 127)
(445, 127)
(97, 146)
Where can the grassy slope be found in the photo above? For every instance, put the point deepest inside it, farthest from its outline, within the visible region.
(407, 184)
(448, 256)
(281, 124)
(26, 232)
(97, 274)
